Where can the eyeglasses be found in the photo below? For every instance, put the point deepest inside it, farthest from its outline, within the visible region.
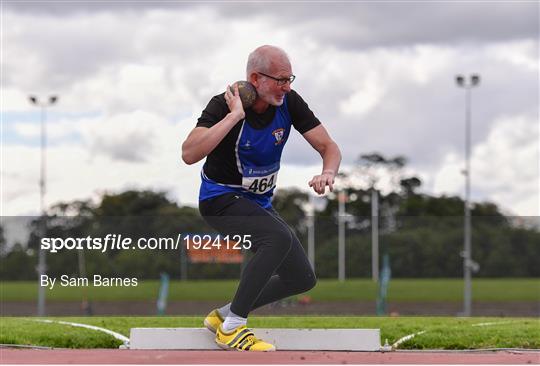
(282, 81)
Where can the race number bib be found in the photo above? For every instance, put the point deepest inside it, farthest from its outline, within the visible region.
(260, 180)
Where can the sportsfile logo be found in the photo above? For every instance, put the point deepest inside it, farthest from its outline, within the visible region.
(110, 242)
(121, 242)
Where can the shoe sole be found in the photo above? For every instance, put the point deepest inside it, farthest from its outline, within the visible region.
(226, 347)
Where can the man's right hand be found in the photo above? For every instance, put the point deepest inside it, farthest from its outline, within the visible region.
(234, 102)
(201, 140)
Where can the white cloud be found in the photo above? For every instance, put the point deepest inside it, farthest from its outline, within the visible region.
(143, 75)
(504, 168)
(128, 136)
(76, 171)
(56, 129)
(26, 129)
(521, 53)
(14, 99)
(449, 178)
(361, 102)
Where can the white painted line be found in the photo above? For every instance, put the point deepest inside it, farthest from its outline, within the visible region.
(282, 338)
(405, 339)
(410, 336)
(104, 330)
(491, 323)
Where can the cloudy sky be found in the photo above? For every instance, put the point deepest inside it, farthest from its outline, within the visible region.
(132, 78)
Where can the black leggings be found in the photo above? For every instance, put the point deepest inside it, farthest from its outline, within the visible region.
(278, 269)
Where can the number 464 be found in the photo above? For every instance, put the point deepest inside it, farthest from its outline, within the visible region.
(262, 184)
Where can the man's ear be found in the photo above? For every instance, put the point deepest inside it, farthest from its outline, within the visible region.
(254, 79)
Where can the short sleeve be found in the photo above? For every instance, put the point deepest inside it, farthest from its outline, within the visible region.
(214, 112)
(303, 118)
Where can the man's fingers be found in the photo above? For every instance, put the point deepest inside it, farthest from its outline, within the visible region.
(232, 92)
(319, 183)
(320, 186)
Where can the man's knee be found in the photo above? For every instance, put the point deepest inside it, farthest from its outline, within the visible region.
(310, 282)
(282, 240)
(305, 283)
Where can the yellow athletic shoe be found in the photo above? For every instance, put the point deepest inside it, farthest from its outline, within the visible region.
(213, 321)
(242, 339)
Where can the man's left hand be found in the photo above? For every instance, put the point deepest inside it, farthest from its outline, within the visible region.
(319, 182)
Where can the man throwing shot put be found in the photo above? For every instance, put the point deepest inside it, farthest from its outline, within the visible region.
(243, 152)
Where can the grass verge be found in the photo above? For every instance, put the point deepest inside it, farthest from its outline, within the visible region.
(406, 290)
(441, 332)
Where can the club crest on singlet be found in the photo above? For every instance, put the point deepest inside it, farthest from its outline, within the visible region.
(278, 135)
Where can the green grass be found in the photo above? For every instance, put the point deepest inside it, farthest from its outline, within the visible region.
(441, 332)
(515, 289)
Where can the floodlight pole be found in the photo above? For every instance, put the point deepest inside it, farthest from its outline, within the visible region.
(311, 232)
(315, 204)
(467, 260)
(374, 234)
(42, 265)
(342, 198)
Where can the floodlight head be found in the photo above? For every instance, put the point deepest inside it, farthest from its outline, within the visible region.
(475, 79)
(32, 99)
(460, 80)
(53, 99)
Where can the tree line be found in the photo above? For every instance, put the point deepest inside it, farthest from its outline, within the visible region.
(421, 233)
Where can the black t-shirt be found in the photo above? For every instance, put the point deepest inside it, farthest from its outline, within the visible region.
(221, 165)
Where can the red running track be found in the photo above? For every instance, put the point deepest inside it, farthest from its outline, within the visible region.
(111, 356)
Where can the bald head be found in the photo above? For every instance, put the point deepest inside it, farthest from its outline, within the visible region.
(265, 59)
